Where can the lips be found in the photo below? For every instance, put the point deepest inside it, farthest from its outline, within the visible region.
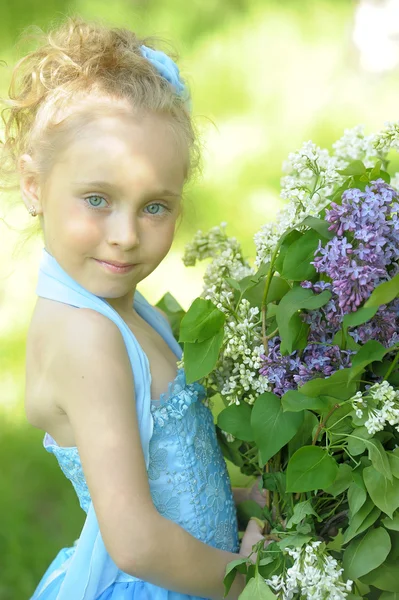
(116, 264)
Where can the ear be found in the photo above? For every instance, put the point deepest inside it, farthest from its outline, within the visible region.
(29, 185)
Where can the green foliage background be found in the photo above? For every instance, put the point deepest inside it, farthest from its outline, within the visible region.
(265, 76)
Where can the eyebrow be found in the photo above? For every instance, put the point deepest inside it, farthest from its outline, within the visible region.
(105, 185)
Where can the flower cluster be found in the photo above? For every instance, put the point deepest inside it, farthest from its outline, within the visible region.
(366, 241)
(381, 402)
(355, 145)
(237, 373)
(382, 327)
(313, 576)
(227, 262)
(289, 372)
(311, 178)
(388, 138)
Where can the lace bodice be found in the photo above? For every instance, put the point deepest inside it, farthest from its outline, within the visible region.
(187, 473)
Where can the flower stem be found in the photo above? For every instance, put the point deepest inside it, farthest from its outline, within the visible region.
(323, 423)
(392, 366)
(264, 298)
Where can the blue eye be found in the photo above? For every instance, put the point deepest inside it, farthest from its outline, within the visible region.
(156, 206)
(97, 200)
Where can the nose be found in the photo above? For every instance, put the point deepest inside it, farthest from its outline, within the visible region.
(123, 231)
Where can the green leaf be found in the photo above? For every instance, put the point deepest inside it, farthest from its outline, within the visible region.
(356, 442)
(201, 322)
(319, 225)
(231, 570)
(234, 283)
(337, 386)
(362, 521)
(362, 315)
(356, 498)
(386, 177)
(310, 468)
(385, 577)
(294, 401)
(297, 540)
(356, 167)
(389, 596)
(297, 298)
(285, 244)
(169, 304)
(230, 450)
(254, 294)
(300, 254)
(236, 419)
(346, 341)
(301, 510)
(257, 589)
(374, 173)
(367, 553)
(200, 358)
(393, 523)
(305, 432)
(278, 288)
(384, 493)
(173, 310)
(393, 458)
(268, 416)
(336, 542)
(370, 352)
(384, 293)
(342, 481)
(379, 457)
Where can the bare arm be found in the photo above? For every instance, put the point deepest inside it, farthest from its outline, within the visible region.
(96, 391)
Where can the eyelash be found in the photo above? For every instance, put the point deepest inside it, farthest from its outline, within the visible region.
(153, 204)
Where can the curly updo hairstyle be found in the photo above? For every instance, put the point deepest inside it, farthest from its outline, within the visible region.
(71, 61)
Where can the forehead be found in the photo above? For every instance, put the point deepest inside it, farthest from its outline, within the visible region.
(131, 149)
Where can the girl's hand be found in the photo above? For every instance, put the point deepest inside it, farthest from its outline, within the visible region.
(242, 493)
(252, 535)
(259, 496)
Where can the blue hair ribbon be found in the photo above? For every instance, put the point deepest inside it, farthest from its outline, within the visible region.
(166, 67)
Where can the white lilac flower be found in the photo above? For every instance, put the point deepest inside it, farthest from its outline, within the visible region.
(227, 261)
(237, 373)
(388, 138)
(395, 181)
(311, 179)
(381, 401)
(313, 576)
(355, 145)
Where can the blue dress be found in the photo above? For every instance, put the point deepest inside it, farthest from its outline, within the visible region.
(187, 474)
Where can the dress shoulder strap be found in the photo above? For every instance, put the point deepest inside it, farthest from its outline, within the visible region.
(91, 570)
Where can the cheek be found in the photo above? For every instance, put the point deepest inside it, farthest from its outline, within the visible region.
(166, 239)
(81, 227)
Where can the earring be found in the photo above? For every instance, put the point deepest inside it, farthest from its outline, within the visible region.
(32, 211)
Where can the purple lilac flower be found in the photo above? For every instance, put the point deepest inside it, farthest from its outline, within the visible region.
(366, 242)
(289, 372)
(382, 327)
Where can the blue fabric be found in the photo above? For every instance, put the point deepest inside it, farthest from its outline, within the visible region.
(165, 67)
(187, 474)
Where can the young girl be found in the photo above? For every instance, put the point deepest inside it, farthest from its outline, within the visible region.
(100, 133)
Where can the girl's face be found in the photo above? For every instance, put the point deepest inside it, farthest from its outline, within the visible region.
(114, 196)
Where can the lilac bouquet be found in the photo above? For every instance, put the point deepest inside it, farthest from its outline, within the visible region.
(302, 348)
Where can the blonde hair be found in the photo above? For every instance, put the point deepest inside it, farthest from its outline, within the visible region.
(73, 60)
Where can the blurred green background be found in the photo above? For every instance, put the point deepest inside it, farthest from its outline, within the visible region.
(265, 75)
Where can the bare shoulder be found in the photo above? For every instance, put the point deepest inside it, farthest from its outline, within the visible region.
(97, 394)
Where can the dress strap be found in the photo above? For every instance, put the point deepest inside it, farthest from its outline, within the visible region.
(90, 570)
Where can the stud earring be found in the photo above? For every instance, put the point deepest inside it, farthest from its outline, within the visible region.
(32, 211)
